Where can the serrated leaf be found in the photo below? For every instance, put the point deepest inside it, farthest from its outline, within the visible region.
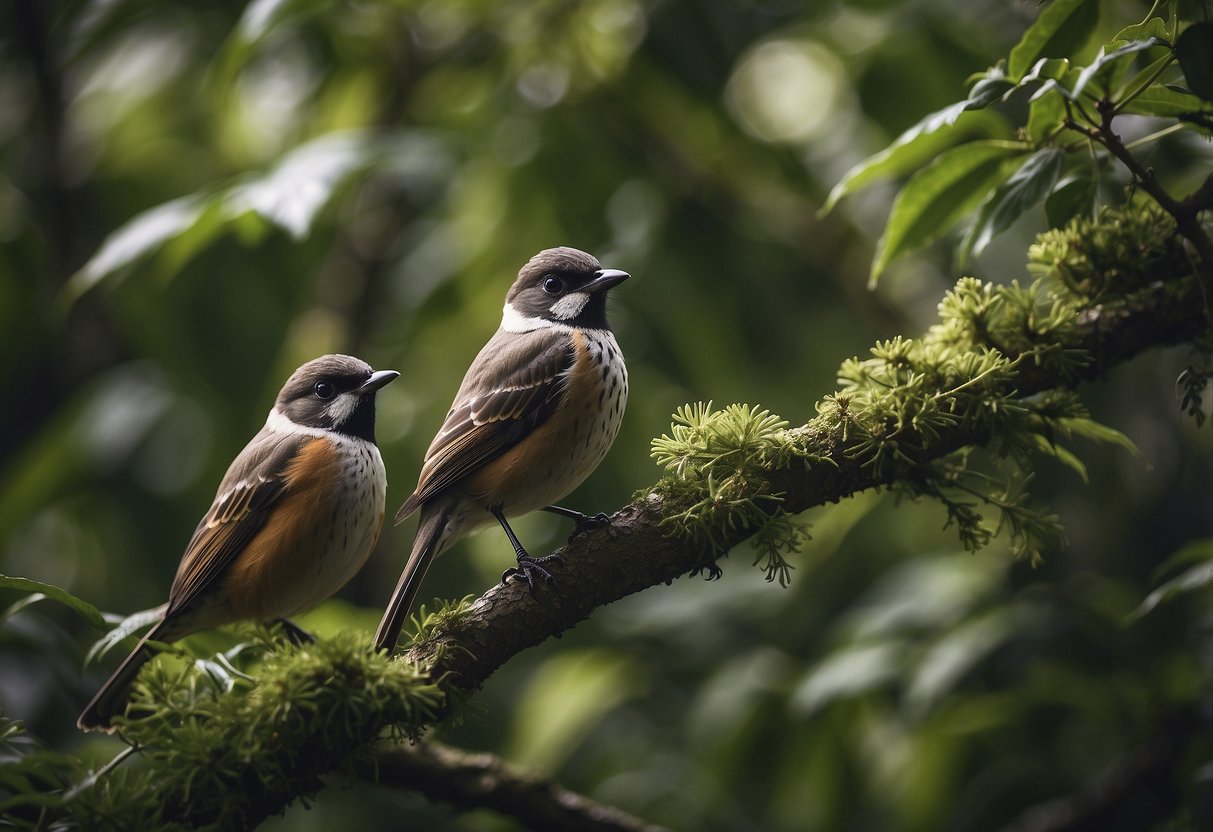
(920, 143)
(1025, 187)
(1155, 27)
(1062, 27)
(1074, 197)
(937, 196)
(1106, 59)
(1194, 49)
(84, 608)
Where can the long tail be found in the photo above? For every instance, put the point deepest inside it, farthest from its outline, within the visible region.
(110, 700)
(425, 547)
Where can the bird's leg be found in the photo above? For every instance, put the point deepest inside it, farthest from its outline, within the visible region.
(527, 566)
(582, 523)
(295, 634)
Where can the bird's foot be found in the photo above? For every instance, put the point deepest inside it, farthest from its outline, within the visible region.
(582, 523)
(529, 568)
(295, 634)
(711, 571)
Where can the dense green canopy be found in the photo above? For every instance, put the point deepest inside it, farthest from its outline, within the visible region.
(196, 197)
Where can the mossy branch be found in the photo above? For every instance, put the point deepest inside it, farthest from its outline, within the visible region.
(997, 371)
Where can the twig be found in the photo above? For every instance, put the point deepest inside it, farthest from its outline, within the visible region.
(480, 780)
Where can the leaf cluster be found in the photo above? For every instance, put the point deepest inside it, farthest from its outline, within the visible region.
(914, 412)
(1157, 68)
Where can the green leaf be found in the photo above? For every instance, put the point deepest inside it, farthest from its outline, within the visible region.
(1105, 60)
(1046, 114)
(940, 194)
(1166, 102)
(1074, 197)
(84, 608)
(1194, 49)
(1146, 78)
(1062, 27)
(1196, 578)
(123, 630)
(1026, 187)
(1155, 27)
(917, 145)
(1090, 429)
(138, 238)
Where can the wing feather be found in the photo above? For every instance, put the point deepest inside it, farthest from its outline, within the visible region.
(254, 481)
(512, 387)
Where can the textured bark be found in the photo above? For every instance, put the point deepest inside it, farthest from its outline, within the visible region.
(635, 551)
(477, 780)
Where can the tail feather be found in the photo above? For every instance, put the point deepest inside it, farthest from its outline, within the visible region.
(410, 505)
(425, 547)
(110, 700)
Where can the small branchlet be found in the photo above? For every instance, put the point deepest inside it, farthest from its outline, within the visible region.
(219, 752)
(893, 407)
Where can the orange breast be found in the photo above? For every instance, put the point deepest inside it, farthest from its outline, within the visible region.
(275, 568)
(559, 454)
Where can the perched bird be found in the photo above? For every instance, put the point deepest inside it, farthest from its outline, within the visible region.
(536, 413)
(296, 516)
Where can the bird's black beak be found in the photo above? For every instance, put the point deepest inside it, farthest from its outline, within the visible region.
(378, 379)
(605, 279)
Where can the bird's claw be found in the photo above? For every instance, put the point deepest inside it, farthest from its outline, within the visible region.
(528, 567)
(711, 570)
(589, 522)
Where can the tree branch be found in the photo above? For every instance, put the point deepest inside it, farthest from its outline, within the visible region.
(635, 551)
(480, 780)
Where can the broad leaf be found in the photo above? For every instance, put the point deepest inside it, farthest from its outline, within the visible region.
(134, 241)
(1026, 187)
(936, 197)
(84, 608)
(1166, 102)
(1155, 27)
(1193, 579)
(1074, 197)
(1194, 49)
(920, 143)
(1046, 114)
(1106, 59)
(1148, 77)
(1062, 27)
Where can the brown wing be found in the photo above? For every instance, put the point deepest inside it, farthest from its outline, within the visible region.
(254, 481)
(514, 385)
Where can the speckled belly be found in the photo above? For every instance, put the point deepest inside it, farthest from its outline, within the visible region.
(562, 452)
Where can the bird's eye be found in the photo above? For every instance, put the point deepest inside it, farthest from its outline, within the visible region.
(324, 390)
(553, 285)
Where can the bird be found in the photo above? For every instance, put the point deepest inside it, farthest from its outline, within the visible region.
(536, 413)
(295, 517)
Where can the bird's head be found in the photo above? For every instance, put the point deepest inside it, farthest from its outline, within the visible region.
(560, 286)
(334, 392)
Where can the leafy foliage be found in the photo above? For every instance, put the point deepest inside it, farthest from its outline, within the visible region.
(1071, 108)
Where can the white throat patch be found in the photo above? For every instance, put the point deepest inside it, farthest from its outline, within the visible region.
(514, 321)
(342, 407)
(570, 306)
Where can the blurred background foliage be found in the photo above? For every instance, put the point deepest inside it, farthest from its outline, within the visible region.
(195, 197)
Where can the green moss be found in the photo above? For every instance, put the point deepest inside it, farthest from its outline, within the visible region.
(912, 410)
